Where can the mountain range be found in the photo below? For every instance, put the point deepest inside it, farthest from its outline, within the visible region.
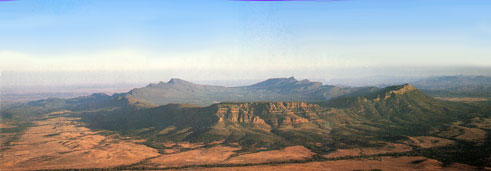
(393, 110)
(276, 89)
(279, 113)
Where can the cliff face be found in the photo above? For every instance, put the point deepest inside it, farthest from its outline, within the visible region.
(406, 88)
(269, 114)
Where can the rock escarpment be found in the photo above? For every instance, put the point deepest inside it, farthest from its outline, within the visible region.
(267, 114)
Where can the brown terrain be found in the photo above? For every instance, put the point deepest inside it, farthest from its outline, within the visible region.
(200, 156)
(288, 153)
(389, 148)
(463, 99)
(382, 163)
(60, 142)
(6, 125)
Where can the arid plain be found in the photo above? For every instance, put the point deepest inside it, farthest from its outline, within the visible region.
(59, 140)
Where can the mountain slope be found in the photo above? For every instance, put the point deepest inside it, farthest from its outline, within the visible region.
(365, 118)
(386, 114)
(397, 111)
(402, 104)
(183, 92)
(96, 101)
(251, 124)
(276, 89)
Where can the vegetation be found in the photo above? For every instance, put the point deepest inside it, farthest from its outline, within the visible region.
(368, 117)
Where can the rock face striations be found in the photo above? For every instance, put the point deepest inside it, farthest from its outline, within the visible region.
(272, 114)
(247, 123)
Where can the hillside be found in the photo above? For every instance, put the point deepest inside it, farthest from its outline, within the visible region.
(276, 89)
(403, 109)
(93, 102)
(251, 124)
(372, 119)
(177, 91)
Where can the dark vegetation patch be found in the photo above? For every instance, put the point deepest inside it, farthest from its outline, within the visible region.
(417, 161)
(50, 135)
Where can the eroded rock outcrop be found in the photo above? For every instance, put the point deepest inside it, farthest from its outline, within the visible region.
(274, 114)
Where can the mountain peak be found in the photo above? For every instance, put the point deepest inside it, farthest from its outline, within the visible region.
(408, 87)
(177, 90)
(400, 89)
(99, 95)
(397, 90)
(172, 81)
(178, 81)
(275, 82)
(397, 94)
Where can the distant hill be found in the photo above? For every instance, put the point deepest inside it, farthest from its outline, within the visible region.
(456, 86)
(177, 91)
(276, 89)
(96, 101)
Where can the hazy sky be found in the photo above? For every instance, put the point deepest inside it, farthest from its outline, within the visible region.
(245, 39)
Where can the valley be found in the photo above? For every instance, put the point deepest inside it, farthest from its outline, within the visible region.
(391, 128)
(60, 141)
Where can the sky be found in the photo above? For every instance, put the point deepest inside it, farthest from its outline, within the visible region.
(146, 40)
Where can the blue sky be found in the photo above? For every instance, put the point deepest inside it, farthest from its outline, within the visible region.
(243, 37)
